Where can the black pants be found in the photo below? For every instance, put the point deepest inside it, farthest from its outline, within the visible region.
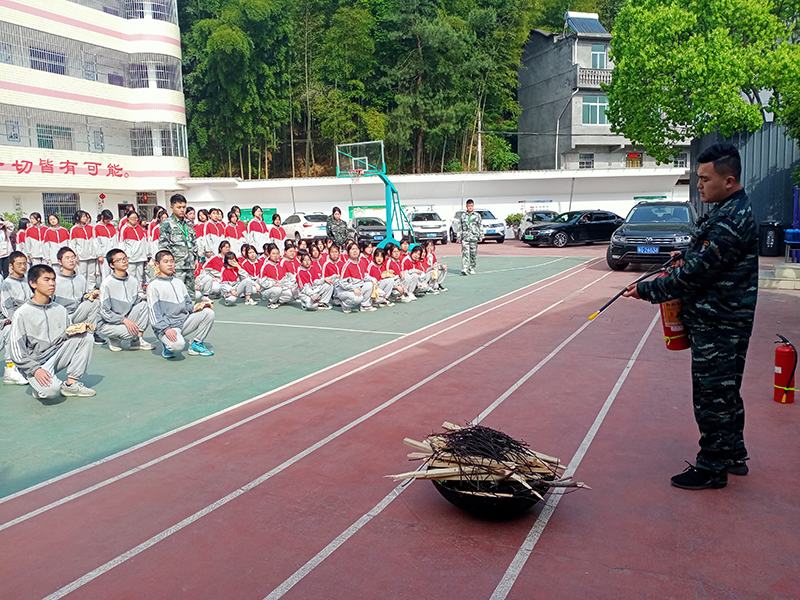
(718, 358)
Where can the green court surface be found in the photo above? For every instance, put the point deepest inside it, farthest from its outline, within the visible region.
(140, 395)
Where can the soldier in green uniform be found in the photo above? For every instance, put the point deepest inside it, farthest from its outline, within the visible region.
(336, 227)
(471, 232)
(177, 235)
(717, 282)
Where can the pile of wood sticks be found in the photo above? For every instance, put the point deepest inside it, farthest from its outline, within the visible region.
(489, 461)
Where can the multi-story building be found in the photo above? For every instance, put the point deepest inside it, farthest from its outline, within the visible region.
(92, 111)
(563, 122)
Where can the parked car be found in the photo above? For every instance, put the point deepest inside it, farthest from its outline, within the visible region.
(302, 226)
(367, 228)
(535, 216)
(493, 228)
(428, 226)
(651, 231)
(578, 226)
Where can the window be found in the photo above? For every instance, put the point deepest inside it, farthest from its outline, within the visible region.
(54, 137)
(633, 159)
(141, 141)
(594, 110)
(6, 53)
(586, 161)
(116, 79)
(160, 10)
(134, 9)
(99, 140)
(600, 217)
(89, 70)
(598, 56)
(292, 220)
(46, 60)
(12, 131)
(138, 78)
(56, 203)
(682, 160)
(169, 143)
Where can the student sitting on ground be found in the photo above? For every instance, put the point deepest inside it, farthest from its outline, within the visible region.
(366, 248)
(73, 292)
(352, 288)
(123, 314)
(438, 270)
(174, 315)
(271, 278)
(404, 279)
(314, 292)
(14, 292)
(290, 264)
(316, 261)
(44, 342)
(404, 244)
(236, 283)
(412, 262)
(209, 281)
(386, 284)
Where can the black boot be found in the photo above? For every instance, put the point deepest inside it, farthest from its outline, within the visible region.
(695, 478)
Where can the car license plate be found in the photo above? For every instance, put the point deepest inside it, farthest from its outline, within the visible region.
(431, 235)
(490, 231)
(528, 237)
(647, 249)
(379, 237)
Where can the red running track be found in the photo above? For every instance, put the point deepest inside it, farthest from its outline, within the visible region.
(236, 515)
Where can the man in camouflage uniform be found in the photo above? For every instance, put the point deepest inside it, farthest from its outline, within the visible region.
(717, 282)
(471, 232)
(177, 235)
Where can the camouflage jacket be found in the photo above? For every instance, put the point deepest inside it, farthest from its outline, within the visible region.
(337, 230)
(469, 227)
(718, 282)
(180, 239)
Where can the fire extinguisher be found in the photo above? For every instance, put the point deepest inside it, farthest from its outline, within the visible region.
(674, 333)
(785, 362)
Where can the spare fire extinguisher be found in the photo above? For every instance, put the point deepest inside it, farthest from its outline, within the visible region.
(785, 362)
(674, 333)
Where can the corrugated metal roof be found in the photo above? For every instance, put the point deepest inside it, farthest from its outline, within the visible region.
(584, 22)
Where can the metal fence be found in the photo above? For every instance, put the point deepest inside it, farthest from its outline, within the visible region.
(768, 158)
(35, 128)
(161, 10)
(34, 49)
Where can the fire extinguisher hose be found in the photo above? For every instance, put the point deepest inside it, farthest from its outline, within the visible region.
(794, 368)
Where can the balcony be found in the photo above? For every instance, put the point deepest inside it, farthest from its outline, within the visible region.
(592, 78)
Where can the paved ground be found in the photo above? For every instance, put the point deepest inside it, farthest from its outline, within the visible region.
(284, 494)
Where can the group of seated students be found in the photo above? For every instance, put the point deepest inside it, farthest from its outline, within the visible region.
(320, 273)
(48, 317)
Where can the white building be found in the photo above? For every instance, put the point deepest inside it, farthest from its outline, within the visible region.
(92, 111)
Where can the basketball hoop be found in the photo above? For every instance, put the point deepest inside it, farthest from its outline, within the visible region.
(355, 174)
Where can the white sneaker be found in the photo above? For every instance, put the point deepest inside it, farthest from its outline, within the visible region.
(76, 390)
(114, 345)
(411, 297)
(434, 292)
(250, 302)
(368, 309)
(345, 309)
(404, 299)
(471, 271)
(13, 376)
(274, 305)
(140, 344)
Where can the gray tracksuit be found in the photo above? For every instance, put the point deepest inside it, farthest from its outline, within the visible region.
(13, 294)
(170, 307)
(70, 292)
(38, 339)
(319, 289)
(119, 299)
(345, 291)
(245, 286)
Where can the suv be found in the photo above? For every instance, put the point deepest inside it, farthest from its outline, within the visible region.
(652, 230)
(367, 228)
(493, 228)
(302, 226)
(428, 226)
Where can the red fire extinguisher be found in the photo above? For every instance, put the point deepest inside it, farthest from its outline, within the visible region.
(674, 333)
(785, 366)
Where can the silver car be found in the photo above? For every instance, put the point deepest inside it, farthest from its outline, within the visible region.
(428, 226)
(493, 228)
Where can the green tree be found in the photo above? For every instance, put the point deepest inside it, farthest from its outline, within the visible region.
(683, 68)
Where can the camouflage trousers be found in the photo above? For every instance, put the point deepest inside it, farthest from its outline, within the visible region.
(469, 254)
(187, 277)
(718, 357)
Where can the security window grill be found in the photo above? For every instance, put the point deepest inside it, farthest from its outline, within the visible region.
(54, 137)
(598, 56)
(36, 128)
(586, 161)
(682, 160)
(594, 110)
(34, 49)
(162, 10)
(61, 204)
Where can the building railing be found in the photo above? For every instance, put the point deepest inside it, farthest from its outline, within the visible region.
(593, 77)
(161, 10)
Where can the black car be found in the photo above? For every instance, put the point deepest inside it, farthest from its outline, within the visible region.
(651, 231)
(581, 226)
(367, 228)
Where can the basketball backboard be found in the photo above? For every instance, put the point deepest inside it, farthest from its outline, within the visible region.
(360, 159)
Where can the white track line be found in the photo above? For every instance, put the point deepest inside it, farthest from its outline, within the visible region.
(516, 566)
(61, 592)
(253, 417)
(580, 267)
(303, 571)
(311, 327)
(520, 268)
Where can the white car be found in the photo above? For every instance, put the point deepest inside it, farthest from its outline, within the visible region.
(302, 226)
(493, 228)
(428, 226)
